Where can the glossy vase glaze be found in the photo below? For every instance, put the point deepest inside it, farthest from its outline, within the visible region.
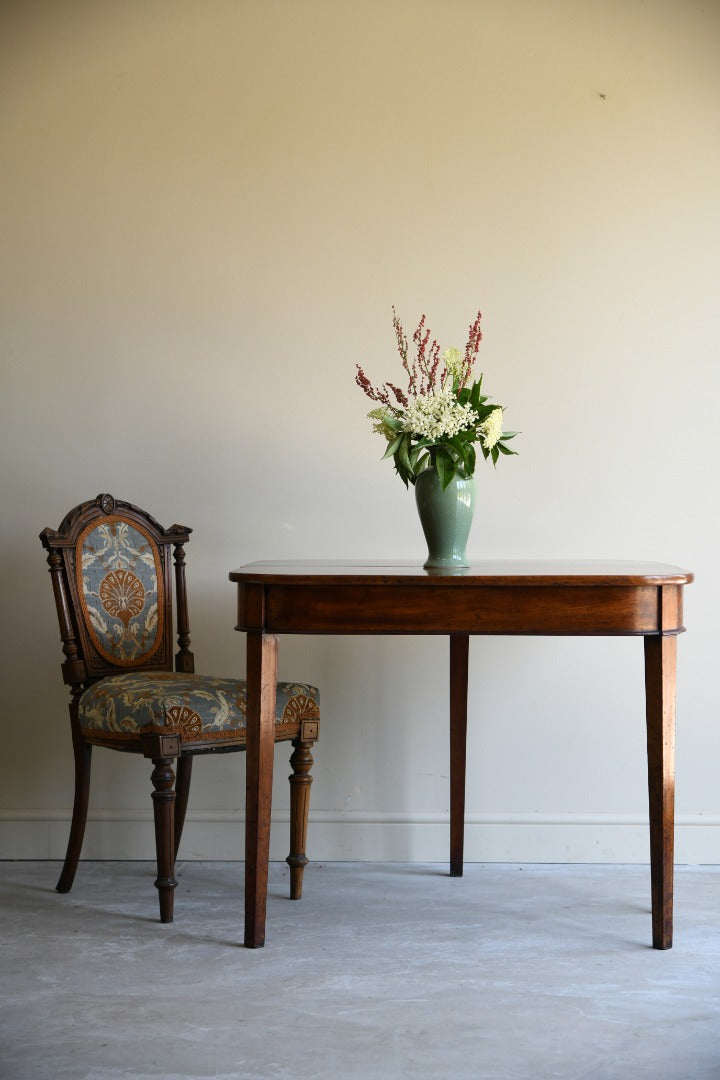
(446, 517)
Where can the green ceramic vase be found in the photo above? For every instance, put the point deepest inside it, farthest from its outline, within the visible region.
(446, 517)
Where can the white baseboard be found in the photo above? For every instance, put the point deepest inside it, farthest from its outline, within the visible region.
(368, 836)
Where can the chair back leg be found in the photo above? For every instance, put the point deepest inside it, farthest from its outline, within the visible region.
(83, 761)
(182, 792)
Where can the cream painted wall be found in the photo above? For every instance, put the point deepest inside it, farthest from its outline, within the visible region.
(208, 210)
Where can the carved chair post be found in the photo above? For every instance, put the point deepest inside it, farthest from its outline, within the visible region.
(300, 782)
(75, 676)
(185, 662)
(184, 659)
(73, 669)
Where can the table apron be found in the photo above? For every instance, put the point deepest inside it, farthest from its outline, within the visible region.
(459, 607)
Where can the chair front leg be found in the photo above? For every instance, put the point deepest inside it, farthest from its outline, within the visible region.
(300, 781)
(163, 750)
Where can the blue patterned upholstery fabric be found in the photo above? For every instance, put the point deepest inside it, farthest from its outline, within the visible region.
(198, 707)
(119, 572)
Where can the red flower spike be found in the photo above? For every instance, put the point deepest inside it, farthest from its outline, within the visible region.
(400, 396)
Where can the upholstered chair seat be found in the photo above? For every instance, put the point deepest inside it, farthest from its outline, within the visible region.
(200, 708)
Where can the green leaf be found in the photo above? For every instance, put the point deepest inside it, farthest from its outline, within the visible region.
(404, 456)
(405, 478)
(494, 454)
(506, 450)
(393, 447)
(476, 388)
(445, 466)
(420, 462)
(402, 469)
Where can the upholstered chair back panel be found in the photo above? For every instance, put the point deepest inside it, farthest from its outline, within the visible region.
(119, 577)
(114, 583)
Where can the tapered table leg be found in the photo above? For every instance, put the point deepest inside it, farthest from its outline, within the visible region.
(261, 691)
(458, 734)
(660, 663)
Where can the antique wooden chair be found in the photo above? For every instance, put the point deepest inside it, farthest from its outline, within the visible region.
(110, 565)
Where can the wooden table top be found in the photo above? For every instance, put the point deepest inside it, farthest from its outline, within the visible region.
(550, 572)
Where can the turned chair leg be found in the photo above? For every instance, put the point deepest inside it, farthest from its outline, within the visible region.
(83, 761)
(163, 750)
(182, 792)
(300, 781)
(163, 798)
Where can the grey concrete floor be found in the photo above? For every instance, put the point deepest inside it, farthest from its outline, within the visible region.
(381, 971)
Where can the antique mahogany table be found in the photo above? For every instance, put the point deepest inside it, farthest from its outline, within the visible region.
(493, 597)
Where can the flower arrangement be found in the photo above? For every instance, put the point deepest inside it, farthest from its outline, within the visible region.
(436, 423)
